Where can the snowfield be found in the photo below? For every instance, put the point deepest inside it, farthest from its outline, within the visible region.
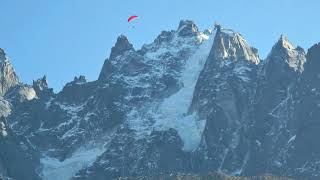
(54, 169)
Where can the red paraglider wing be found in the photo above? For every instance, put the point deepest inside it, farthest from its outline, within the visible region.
(131, 18)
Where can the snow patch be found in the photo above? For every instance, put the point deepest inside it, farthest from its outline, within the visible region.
(292, 139)
(64, 170)
(3, 131)
(258, 142)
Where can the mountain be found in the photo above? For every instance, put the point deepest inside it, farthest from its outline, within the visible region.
(186, 105)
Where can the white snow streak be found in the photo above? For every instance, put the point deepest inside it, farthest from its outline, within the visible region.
(64, 170)
(292, 139)
(172, 113)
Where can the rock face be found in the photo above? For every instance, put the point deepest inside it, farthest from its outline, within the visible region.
(273, 106)
(224, 97)
(8, 77)
(305, 122)
(41, 88)
(18, 160)
(190, 102)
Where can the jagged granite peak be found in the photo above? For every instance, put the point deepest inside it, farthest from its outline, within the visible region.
(41, 88)
(8, 77)
(122, 45)
(164, 36)
(303, 156)
(223, 97)
(187, 28)
(284, 41)
(272, 107)
(284, 53)
(2, 55)
(81, 79)
(41, 84)
(75, 91)
(120, 48)
(230, 45)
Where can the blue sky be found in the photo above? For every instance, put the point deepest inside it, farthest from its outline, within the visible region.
(64, 38)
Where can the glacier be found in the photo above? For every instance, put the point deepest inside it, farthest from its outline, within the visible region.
(173, 112)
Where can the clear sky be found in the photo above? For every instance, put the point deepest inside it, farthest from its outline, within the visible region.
(64, 38)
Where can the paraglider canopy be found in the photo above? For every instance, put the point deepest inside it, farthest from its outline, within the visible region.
(131, 18)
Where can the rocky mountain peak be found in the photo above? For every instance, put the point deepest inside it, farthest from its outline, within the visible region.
(284, 42)
(165, 36)
(122, 45)
(41, 88)
(187, 28)
(231, 45)
(217, 27)
(285, 53)
(41, 84)
(8, 77)
(2, 55)
(80, 79)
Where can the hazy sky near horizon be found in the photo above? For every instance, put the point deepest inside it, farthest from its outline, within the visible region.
(62, 39)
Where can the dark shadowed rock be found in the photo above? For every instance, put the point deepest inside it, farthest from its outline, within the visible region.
(273, 106)
(18, 160)
(187, 28)
(42, 89)
(223, 96)
(304, 155)
(122, 45)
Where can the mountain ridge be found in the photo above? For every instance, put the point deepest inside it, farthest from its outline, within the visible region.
(191, 101)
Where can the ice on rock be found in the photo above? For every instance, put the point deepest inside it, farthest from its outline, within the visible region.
(292, 139)
(64, 170)
(172, 113)
(3, 131)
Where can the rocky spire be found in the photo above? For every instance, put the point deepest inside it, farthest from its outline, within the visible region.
(41, 87)
(80, 80)
(2, 55)
(122, 45)
(187, 28)
(40, 84)
(230, 45)
(284, 53)
(8, 77)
